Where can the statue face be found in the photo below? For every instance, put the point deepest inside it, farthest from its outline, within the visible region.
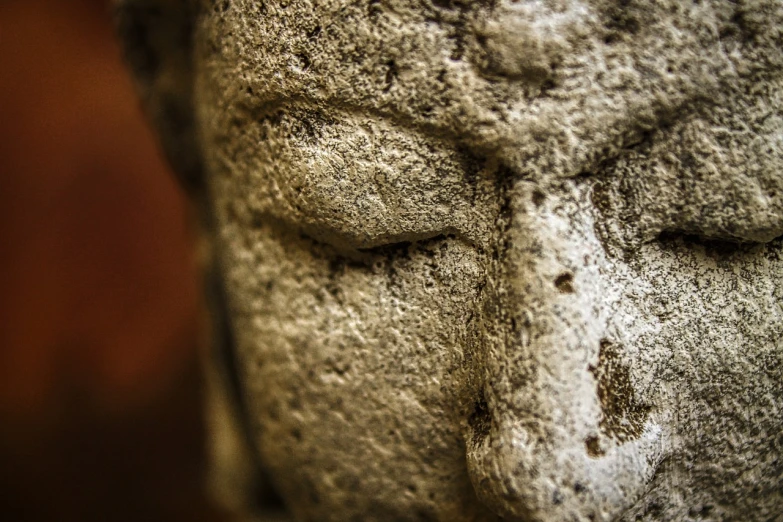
(503, 258)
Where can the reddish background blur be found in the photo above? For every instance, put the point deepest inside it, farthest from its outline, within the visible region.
(100, 312)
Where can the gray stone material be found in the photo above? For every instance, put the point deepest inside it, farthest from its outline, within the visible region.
(487, 259)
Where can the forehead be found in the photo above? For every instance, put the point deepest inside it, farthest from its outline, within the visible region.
(551, 87)
(676, 104)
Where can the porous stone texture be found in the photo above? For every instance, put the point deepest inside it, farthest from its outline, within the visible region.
(500, 259)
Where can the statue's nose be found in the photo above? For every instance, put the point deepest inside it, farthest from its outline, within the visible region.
(540, 443)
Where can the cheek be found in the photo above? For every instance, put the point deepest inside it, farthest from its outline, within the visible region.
(700, 325)
(708, 346)
(351, 365)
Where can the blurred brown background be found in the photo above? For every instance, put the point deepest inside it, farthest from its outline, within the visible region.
(100, 414)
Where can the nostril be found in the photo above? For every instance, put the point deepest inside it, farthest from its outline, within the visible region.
(480, 421)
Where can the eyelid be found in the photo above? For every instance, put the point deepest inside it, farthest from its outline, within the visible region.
(358, 183)
(370, 245)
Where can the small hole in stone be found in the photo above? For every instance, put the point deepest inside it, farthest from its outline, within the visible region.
(256, 220)
(374, 8)
(304, 61)
(538, 197)
(547, 86)
(700, 511)
(426, 516)
(314, 33)
(593, 445)
(443, 4)
(480, 421)
(565, 283)
(391, 74)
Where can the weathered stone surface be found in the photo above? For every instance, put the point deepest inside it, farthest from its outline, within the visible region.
(502, 259)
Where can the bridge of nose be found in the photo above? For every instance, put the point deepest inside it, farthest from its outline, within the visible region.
(542, 450)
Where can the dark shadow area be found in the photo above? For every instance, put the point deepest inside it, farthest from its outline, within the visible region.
(100, 310)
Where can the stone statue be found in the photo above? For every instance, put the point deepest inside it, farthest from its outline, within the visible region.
(492, 259)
